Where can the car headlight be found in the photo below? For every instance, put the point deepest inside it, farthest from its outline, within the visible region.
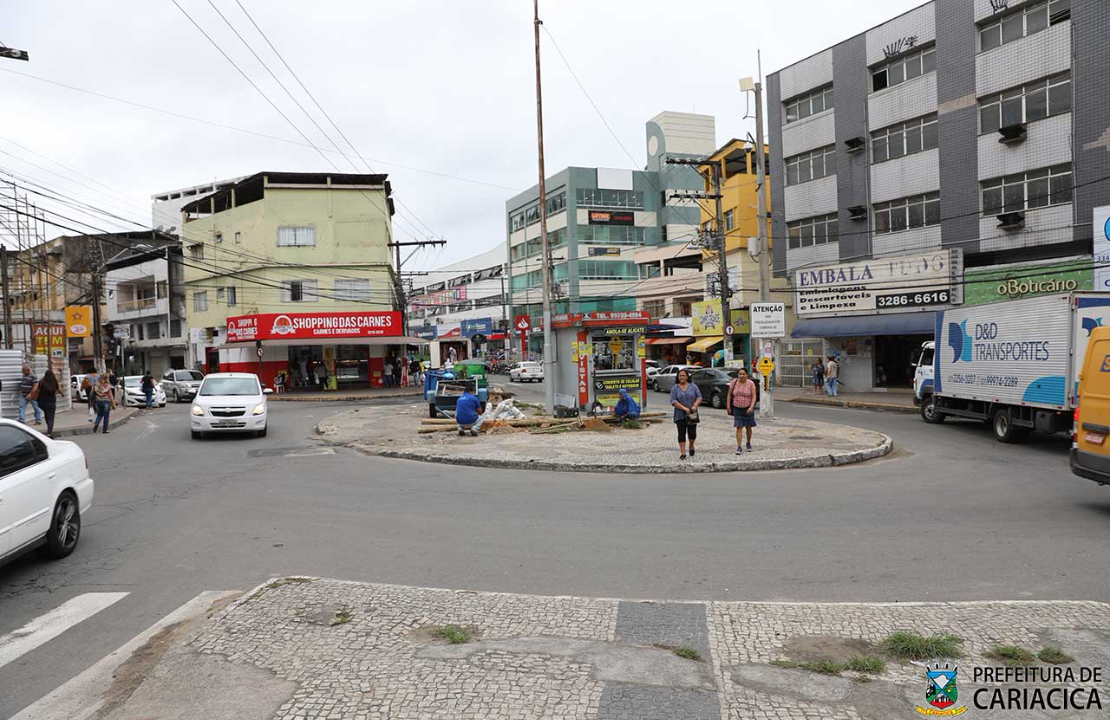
(259, 409)
(198, 410)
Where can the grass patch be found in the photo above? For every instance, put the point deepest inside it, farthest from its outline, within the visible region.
(686, 653)
(862, 678)
(342, 617)
(282, 582)
(632, 424)
(866, 664)
(454, 634)
(908, 645)
(1054, 656)
(824, 666)
(1011, 655)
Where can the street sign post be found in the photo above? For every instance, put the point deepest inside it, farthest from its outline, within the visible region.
(730, 330)
(766, 366)
(768, 320)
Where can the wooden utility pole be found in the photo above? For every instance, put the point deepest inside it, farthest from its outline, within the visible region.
(4, 282)
(722, 261)
(545, 251)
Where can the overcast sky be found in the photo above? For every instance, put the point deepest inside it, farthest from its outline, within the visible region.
(439, 85)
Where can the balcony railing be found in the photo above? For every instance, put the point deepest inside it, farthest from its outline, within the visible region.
(124, 306)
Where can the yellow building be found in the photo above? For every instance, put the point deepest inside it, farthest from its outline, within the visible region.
(291, 251)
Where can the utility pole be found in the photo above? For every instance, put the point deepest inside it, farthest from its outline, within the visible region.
(398, 287)
(96, 267)
(548, 346)
(7, 298)
(763, 258)
(722, 248)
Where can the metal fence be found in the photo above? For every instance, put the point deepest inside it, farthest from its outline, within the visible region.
(795, 357)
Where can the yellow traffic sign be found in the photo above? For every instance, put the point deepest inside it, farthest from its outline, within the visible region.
(766, 365)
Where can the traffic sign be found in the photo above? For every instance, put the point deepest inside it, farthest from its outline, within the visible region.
(729, 330)
(768, 320)
(523, 323)
(766, 365)
(261, 351)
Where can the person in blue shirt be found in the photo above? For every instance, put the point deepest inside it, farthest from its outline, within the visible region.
(626, 408)
(468, 413)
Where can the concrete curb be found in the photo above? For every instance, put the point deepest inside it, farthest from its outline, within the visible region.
(323, 398)
(857, 405)
(87, 428)
(819, 461)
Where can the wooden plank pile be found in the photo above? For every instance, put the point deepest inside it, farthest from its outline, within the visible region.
(536, 425)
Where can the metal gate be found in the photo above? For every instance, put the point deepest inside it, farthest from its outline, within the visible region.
(795, 357)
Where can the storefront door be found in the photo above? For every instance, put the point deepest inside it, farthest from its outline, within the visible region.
(892, 359)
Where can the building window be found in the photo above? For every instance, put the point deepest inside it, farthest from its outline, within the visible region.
(556, 204)
(299, 291)
(655, 308)
(1026, 104)
(238, 238)
(153, 331)
(352, 290)
(196, 251)
(226, 295)
(649, 270)
(812, 231)
(811, 103)
(601, 270)
(175, 328)
(599, 198)
(1022, 23)
(811, 165)
(1029, 190)
(219, 237)
(162, 289)
(516, 221)
(908, 213)
(296, 236)
(904, 139)
(903, 69)
(730, 220)
(610, 234)
(200, 301)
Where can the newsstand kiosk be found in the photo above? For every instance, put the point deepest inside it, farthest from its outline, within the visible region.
(597, 355)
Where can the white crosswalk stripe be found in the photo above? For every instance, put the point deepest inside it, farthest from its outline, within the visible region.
(46, 627)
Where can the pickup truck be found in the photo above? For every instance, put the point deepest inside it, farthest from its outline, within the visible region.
(443, 387)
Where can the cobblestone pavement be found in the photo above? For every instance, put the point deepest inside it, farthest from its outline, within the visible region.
(371, 652)
(779, 443)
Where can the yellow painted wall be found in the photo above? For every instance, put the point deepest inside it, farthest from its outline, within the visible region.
(740, 195)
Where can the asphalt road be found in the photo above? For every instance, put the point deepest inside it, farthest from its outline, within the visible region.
(951, 515)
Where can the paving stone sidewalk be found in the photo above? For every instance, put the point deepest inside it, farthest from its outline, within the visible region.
(342, 650)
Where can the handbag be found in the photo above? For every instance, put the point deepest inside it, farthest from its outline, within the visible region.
(34, 394)
(692, 417)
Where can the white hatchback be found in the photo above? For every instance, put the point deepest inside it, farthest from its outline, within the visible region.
(229, 402)
(45, 488)
(133, 395)
(531, 371)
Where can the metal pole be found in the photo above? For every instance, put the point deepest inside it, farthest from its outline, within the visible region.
(767, 403)
(726, 292)
(548, 345)
(98, 332)
(7, 298)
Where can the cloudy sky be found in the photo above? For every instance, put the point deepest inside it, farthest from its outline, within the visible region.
(419, 86)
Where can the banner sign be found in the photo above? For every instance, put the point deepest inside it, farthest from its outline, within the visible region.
(708, 319)
(50, 340)
(1019, 281)
(892, 284)
(1102, 248)
(424, 332)
(441, 297)
(608, 217)
(313, 326)
(481, 326)
(595, 251)
(79, 320)
(607, 389)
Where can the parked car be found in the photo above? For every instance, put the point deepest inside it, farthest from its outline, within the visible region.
(229, 402)
(79, 395)
(45, 488)
(663, 381)
(713, 383)
(133, 392)
(530, 371)
(181, 385)
(1090, 451)
(652, 368)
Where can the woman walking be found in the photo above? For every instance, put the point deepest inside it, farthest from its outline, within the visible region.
(818, 370)
(740, 403)
(48, 391)
(685, 398)
(104, 402)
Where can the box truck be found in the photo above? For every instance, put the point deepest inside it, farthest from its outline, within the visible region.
(1013, 364)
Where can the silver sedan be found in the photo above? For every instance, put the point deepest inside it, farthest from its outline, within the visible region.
(663, 381)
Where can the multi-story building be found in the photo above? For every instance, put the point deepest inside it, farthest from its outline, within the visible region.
(297, 265)
(165, 207)
(961, 134)
(462, 306)
(598, 218)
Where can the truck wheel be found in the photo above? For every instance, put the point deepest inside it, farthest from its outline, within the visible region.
(1004, 430)
(432, 411)
(929, 411)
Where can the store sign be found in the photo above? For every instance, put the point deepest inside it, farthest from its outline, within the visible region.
(606, 217)
(584, 350)
(313, 326)
(607, 390)
(619, 316)
(523, 323)
(1102, 248)
(481, 326)
(1020, 281)
(621, 330)
(708, 319)
(440, 298)
(79, 320)
(892, 284)
(425, 332)
(604, 251)
(50, 339)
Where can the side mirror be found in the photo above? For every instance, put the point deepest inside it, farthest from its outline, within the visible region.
(267, 391)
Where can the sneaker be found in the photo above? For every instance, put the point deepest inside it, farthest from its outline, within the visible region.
(473, 433)
(749, 447)
(681, 457)
(691, 452)
(739, 450)
(462, 433)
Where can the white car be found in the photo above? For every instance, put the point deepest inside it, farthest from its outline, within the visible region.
(229, 402)
(530, 371)
(133, 392)
(44, 490)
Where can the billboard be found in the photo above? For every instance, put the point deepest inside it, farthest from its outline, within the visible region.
(79, 319)
(890, 284)
(313, 326)
(708, 319)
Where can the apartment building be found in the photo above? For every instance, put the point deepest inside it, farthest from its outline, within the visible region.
(962, 135)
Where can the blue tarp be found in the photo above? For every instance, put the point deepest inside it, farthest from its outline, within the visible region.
(917, 323)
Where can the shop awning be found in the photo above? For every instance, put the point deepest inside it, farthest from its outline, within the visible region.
(918, 323)
(669, 341)
(394, 340)
(705, 343)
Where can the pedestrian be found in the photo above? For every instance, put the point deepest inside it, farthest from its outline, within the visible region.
(685, 398)
(832, 376)
(104, 402)
(740, 403)
(414, 372)
(26, 385)
(818, 370)
(148, 389)
(467, 413)
(388, 372)
(627, 409)
(321, 372)
(48, 391)
(397, 374)
(87, 390)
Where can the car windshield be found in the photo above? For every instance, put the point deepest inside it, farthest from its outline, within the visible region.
(190, 375)
(229, 386)
(132, 381)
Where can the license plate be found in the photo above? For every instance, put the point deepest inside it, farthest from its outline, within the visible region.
(225, 424)
(1094, 438)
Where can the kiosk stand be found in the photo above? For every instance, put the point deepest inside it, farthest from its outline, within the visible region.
(597, 355)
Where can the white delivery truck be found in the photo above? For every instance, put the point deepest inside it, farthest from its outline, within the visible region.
(1014, 364)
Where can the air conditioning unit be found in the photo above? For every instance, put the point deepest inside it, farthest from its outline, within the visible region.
(855, 145)
(1012, 134)
(857, 213)
(1011, 222)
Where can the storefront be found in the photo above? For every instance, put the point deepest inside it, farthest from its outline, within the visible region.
(1012, 282)
(477, 333)
(871, 315)
(598, 354)
(352, 347)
